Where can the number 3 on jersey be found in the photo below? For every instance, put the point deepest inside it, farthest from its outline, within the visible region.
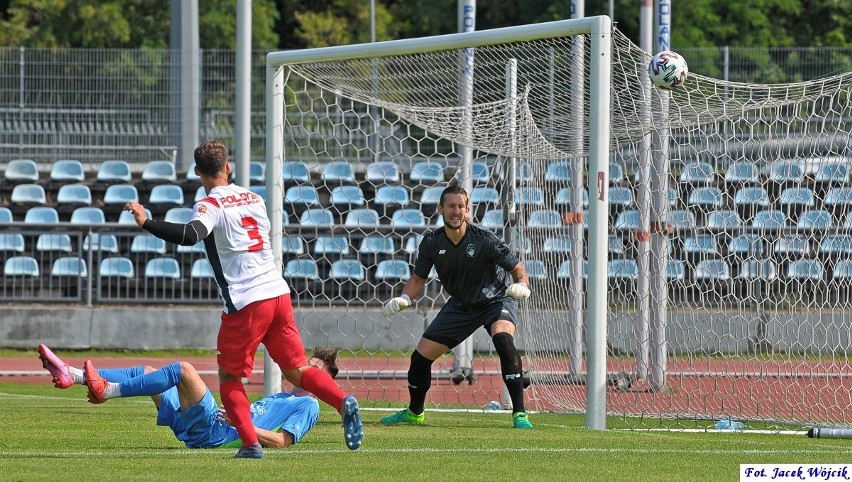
(253, 233)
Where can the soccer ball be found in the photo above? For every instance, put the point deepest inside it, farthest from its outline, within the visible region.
(667, 70)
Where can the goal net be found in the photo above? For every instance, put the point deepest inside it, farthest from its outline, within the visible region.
(694, 263)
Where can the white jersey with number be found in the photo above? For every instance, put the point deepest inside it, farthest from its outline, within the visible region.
(238, 246)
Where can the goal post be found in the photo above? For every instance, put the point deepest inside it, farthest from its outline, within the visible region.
(598, 30)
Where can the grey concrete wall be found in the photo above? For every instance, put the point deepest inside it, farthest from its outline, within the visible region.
(163, 327)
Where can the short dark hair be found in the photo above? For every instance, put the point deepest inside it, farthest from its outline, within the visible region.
(453, 189)
(329, 357)
(211, 157)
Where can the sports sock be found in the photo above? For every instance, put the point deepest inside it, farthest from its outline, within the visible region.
(115, 375)
(77, 375)
(323, 386)
(152, 383)
(419, 381)
(510, 366)
(237, 406)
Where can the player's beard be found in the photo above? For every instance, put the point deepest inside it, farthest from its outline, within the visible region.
(456, 223)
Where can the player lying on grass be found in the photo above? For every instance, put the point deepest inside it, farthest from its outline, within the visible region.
(186, 405)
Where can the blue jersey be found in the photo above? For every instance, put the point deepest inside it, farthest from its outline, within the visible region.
(197, 426)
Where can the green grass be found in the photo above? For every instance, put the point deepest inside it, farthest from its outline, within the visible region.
(48, 434)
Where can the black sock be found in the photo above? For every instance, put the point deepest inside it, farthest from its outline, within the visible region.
(510, 365)
(419, 381)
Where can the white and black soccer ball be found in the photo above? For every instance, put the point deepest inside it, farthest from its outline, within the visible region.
(667, 70)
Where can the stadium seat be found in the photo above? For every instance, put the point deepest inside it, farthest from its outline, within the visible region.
(114, 171)
(126, 217)
(392, 271)
(389, 195)
(529, 196)
(168, 194)
(758, 269)
(705, 198)
(67, 170)
(116, 267)
(301, 196)
(347, 197)
(120, 194)
(523, 244)
(746, 245)
(6, 215)
(338, 172)
(406, 218)
(832, 174)
(723, 220)
(796, 198)
(426, 172)
(361, 217)
(682, 220)
(28, 194)
(564, 271)
(382, 172)
(21, 266)
(376, 245)
(622, 274)
(41, 215)
(805, 270)
(201, 269)
(72, 266)
(74, 194)
(615, 246)
(563, 197)
(480, 174)
(786, 172)
(295, 172)
(347, 269)
(838, 199)
(616, 173)
(159, 171)
(620, 197)
(816, 219)
(162, 267)
(12, 242)
(316, 217)
(200, 194)
(302, 275)
(331, 246)
(430, 198)
(700, 245)
(698, 174)
(628, 220)
(791, 246)
(60, 242)
(191, 176)
(558, 172)
(544, 218)
(675, 269)
(835, 246)
(147, 243)
(523, 172)
(260, 190)
(257, 172)
(178, 215)
(492, 219)
(712, 270)
(484, 196)
(842, 270)
(292, 246)
(741, 173)
(21, 170)
(536, 269)
(88, 215)
(771, 220)
(557, 244)
(751, 198)
(101, 242)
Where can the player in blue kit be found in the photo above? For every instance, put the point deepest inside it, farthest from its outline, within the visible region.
(485, 280)
(186, 405)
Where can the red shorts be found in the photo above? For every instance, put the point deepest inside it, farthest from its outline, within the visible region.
(270, 322)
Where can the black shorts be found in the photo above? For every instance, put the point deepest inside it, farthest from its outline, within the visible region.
(453, 324)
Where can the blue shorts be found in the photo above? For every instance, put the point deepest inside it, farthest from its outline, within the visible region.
(454, 323)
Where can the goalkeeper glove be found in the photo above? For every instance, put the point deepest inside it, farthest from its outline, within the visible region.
(518, 291)
(395, 305)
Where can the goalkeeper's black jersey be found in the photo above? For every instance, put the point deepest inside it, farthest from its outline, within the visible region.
(473, 271)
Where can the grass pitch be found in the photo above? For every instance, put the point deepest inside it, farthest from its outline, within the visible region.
(50, 434)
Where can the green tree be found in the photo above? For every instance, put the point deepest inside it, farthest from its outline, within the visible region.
(322, 23)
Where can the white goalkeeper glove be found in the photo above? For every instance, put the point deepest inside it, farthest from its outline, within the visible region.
(395, 305)
(518, 291)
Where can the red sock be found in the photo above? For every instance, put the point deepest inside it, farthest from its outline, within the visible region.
(323, 386)
(237, 405)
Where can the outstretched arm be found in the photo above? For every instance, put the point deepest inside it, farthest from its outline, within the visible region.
(178, 233)
(412, 289)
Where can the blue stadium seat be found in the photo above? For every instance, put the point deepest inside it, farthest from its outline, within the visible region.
(558, 172)
(484, 195)
(195, 249)
(74, 194)
(72, 266)
(758, 269)
(377, 245)
(747, 245)
(389, 195)
(316, 217)
(529, 196)
(797, 197)
(12, 242)
(114, 171)
(836, 246)
(201, 269)
(382, 172)
(147, 243)
(741, 173)
(480, 174)
(21, 170)
(331, 246)
(523, 172)
(723, 219)
(295, 172)
(392, 271)
(159, 171)
(348, 269)
(302, 196)
(707, 198)
(557, 244)
(257, 172)
(292, 245)
(754, 197)
(101, 242)
(54, 242)
(361, 217)
(536, 269)
(260, 190)
(838, 199)
(6, 215)
(712, 270)
(701, 244)
(563, 197)
(698, 174)
(337, 172)
(805, 270)
(67, 170)
(170, 194)
(120, 194)
(41, 215)
(162, 267)
(492, 219)
(791, 246)
(786, 171)
(842, 270)
(430, 198)
(301, 269)
(426, 172)
(621, 197)
(191, 176)
(564, 271)
(116, 267)
(29, 194)
(818, 219)
(771, 219)
(675, 270)
(628, 220)
(832, 173)
(615, 246)
(682, 220)
(348, 196)
(200, 194)
(406, 218)
(88, 215)
(178, 215)
(21, 266)
(544, 218)
(616, 173)
(622, 269)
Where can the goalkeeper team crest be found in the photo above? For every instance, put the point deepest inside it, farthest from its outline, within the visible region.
(470, 251)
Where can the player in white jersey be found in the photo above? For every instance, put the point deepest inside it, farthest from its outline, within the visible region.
(234, 225)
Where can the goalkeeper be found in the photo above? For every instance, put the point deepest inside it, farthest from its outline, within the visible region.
(485, 280)
(186, 405)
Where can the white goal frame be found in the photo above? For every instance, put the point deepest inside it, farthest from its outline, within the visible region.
(599, 30)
